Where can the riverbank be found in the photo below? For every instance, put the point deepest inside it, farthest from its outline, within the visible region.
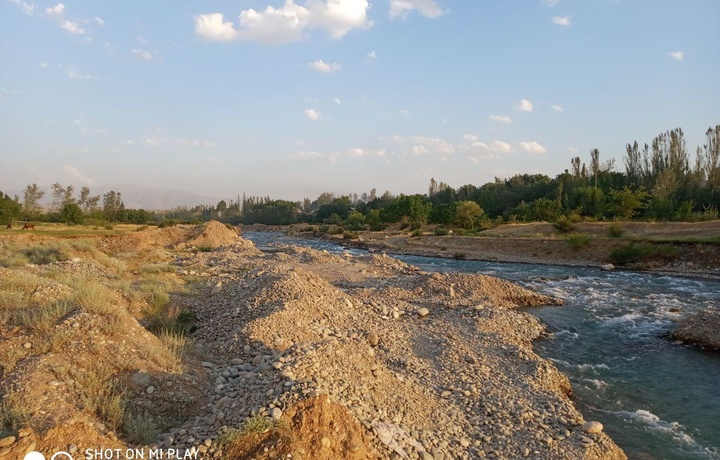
(681, 249)
(331, 356)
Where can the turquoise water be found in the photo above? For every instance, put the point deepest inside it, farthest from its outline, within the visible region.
(657, 400)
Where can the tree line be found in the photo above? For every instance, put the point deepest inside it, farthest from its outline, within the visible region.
(658, 181)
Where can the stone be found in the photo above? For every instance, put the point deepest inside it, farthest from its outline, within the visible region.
(150, 390)
(23, 432)
(27, 345)
(4, 451)
(217, 288)
(325, 442)
(592, 427)
(207, 442)
(373, 339)
(607, 267)
(4, 442)
(276, 413)
(422, 312)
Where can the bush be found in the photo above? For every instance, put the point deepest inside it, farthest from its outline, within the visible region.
(616, 230)
(324, 229)
(578, 241)
(350, 235)
(378, 227)
(417, 232)
(440, 231)
(459, 256)
(141, 228)
(637, 252)
(108, 227)
(205, 248)
(564, 225)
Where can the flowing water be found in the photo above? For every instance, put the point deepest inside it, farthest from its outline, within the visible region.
(657, 400)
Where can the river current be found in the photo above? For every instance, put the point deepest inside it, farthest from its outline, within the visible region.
(657, 400)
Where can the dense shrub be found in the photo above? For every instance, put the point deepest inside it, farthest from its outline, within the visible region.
(616, 230)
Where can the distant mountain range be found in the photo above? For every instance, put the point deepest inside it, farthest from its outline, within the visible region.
(140, 197)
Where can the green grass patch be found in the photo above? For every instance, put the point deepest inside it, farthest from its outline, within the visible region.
(637, 252)
(578, 241)
(616, 230)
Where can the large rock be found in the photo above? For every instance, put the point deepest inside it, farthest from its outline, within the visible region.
(701, 329)
(592, 427)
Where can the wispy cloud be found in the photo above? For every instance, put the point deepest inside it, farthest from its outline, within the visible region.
(557, 108)
(550, 3)
(75, 174)
(677, 55)
(325, 67)
(55, 10)
(501, 118)
(73, 74)
(99, 21)
(337, 100)
(143, 54)
(428, 8)
(525, 106)
(531, 147)
(359, 152)
(423, 145)
(72, 27)
(312, 114)
(27, 8)
(561, 20)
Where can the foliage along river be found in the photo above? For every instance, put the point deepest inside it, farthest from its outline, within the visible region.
(657, 400)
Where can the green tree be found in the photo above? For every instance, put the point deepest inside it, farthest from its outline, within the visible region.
(625, 203)
(10, 209)
(71, 213)
(61, 196)
(86, 202)
(31, 201)
(113, 206)
(355, 221)
(545, 210)
(468, 213)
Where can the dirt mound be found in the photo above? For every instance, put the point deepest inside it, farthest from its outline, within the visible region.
(214, 235)
(455, 289)
(315, 429)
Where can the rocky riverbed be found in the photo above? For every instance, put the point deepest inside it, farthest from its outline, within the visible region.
(432, 366)
(338, 356)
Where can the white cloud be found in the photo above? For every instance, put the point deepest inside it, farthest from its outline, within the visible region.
(72, 27)
(501, 118)
(143, 54)
(421, 145)
(312, 114)
(561, 20)
(73, 74)
(99, 21)
(196, 143)
(277, 26)
(358, 152)
(27, 8)
(75, 173)
(557, 108)
(573, 149)
(337, 101)
(325, 67)
(156, 141)
(677, 55)
(550, 3)
(371, 55)
(532, 147)
(428, 8)
(307, 155)
(525, 105)
(57, 9)
(470, 137)
(44, 65)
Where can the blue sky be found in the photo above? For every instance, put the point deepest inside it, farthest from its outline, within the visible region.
(291, 99)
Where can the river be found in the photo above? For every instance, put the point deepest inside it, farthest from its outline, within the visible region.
(656, 399)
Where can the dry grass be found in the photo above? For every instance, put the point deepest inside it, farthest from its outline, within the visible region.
(93, 297)
(13, 415)
(41, 318)
(10, 359)
(169, 351)
(99, 392)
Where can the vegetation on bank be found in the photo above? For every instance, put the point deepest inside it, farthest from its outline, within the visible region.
(660, 182)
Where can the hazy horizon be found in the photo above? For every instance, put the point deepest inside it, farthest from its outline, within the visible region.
(292, 99)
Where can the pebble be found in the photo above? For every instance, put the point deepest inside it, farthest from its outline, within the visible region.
(23, 432)
(325, 442)
(150, 390)
(592, 427)
(4, 442)
(4, 451)
(217, 288)
(27, 345)
(276, 413)
(373, 339)
(423, 312)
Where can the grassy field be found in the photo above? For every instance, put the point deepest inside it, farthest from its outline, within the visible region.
(51, 229)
